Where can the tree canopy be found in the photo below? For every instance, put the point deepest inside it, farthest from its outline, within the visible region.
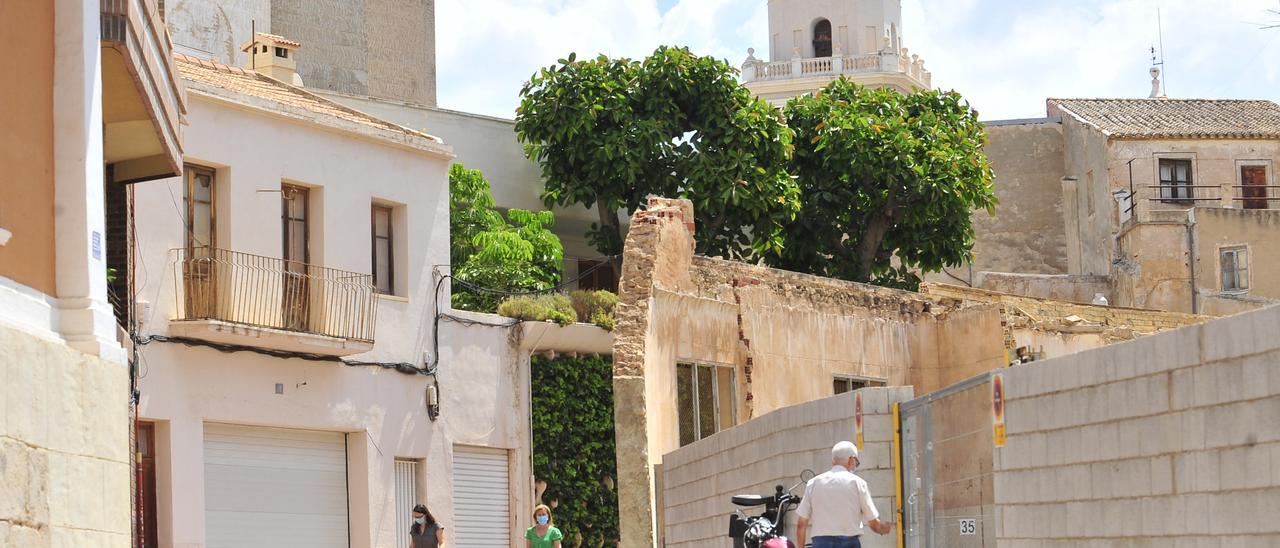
(514, 253)
(607, 133)
(884, 175)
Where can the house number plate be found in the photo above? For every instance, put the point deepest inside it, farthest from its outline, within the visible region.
(968, 526)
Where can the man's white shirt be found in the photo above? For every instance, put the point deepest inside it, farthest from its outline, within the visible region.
(837, 503)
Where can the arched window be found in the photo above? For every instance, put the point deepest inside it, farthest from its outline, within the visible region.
(822, 38)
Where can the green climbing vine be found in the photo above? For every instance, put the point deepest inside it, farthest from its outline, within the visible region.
(573, 446)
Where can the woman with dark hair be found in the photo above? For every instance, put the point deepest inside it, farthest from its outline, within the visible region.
(425, 533)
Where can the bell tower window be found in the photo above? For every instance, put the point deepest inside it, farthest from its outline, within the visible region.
(822, 38)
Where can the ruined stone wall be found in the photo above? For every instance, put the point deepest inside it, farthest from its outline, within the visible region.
(1172, 439)
(64, 446)
(700, 478)
(1054, 287)
(1143, 321)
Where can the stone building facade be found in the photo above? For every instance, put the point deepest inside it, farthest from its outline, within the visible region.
(1146, 201)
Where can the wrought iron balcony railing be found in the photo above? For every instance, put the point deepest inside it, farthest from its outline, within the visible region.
(253, 290)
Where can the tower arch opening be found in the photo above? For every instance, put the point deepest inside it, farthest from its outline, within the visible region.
(822, 38)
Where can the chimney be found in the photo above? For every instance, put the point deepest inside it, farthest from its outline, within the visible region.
(1156, 92)
(273, 56)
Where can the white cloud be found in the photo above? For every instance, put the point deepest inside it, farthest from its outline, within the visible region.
(1006, 56)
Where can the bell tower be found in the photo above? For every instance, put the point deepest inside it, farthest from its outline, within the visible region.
(811, 42)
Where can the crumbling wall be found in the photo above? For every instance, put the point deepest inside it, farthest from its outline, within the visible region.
(1050, 313)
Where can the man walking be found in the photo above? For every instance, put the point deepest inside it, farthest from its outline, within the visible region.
(837, 503)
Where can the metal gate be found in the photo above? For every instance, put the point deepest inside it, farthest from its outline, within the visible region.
(946, 453)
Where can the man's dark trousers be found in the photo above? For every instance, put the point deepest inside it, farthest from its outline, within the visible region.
(836, 542)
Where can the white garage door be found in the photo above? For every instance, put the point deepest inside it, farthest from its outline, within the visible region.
(481, 502)
(274, 487)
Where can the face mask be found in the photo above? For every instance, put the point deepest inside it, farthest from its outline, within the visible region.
(419, 521)
(543, 519)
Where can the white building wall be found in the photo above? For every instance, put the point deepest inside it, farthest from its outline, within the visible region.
(791, 25)
(483, 400)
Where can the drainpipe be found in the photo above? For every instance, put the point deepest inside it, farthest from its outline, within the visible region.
(1191, 257)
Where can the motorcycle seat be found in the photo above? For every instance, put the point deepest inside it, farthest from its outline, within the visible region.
(749, 500)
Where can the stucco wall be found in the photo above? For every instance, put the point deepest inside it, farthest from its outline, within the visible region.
(64, 446)
(1088, 208)
(26, 144)
(1027, 233)
(773, 449)
(218, 28)
(1172, 439)
(1257, 230)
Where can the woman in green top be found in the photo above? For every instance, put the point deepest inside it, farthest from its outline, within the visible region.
(543, 534)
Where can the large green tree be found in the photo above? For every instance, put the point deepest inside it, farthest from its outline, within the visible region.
(609, 132)
(884, 175)
(514, 253)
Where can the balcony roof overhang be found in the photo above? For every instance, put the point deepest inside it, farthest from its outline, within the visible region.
(143, 100)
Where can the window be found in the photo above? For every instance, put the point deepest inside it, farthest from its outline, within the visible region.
(1235, 268)
(1175, 181)
(282, 53)
(822, 38)
(597, 275)
(842, 383)
(383, 260)
(199, 199)
(406, 498)
(705, 395)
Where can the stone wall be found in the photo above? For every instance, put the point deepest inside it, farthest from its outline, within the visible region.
(1055, 287)
(64, 446)
(753, 457)
(1172, 439)
(1144, 321)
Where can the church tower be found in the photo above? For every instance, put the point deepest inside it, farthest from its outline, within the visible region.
(812, 42)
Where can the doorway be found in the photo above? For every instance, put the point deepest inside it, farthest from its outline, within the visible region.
(144, 534)
(1253, 183)
(294, 214)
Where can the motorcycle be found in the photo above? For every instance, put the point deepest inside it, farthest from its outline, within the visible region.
(766, 529)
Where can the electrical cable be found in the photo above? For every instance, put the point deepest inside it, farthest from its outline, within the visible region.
(403, 367)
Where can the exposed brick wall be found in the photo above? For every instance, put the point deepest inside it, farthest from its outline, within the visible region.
(1172, 439)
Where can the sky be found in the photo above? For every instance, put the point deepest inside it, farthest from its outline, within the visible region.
(1004, 56)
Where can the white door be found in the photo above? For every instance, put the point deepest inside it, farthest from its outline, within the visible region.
(481, 499)
(274, 487)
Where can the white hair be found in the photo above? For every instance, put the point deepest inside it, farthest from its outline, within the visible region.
(842, 451)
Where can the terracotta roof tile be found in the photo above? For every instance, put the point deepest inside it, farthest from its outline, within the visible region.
(274, 38)
(281, 97)
(1175, 118)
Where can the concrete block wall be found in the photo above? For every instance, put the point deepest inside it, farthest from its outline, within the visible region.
(1167, 440)
(64, 446)
(699, 479)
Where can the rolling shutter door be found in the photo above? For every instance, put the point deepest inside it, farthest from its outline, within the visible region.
(482, 502)
(274, 487)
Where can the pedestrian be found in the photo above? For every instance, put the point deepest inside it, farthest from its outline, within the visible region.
(837, 504)
(425, 532)
(543, 534)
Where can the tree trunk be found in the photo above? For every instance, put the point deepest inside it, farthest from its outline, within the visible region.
(609, 222)
(873, 236)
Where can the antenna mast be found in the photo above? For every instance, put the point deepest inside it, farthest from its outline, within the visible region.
(1160, 33)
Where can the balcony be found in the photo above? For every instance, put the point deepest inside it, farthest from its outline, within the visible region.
(243, 299)
(910, 68)
(142, 96)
